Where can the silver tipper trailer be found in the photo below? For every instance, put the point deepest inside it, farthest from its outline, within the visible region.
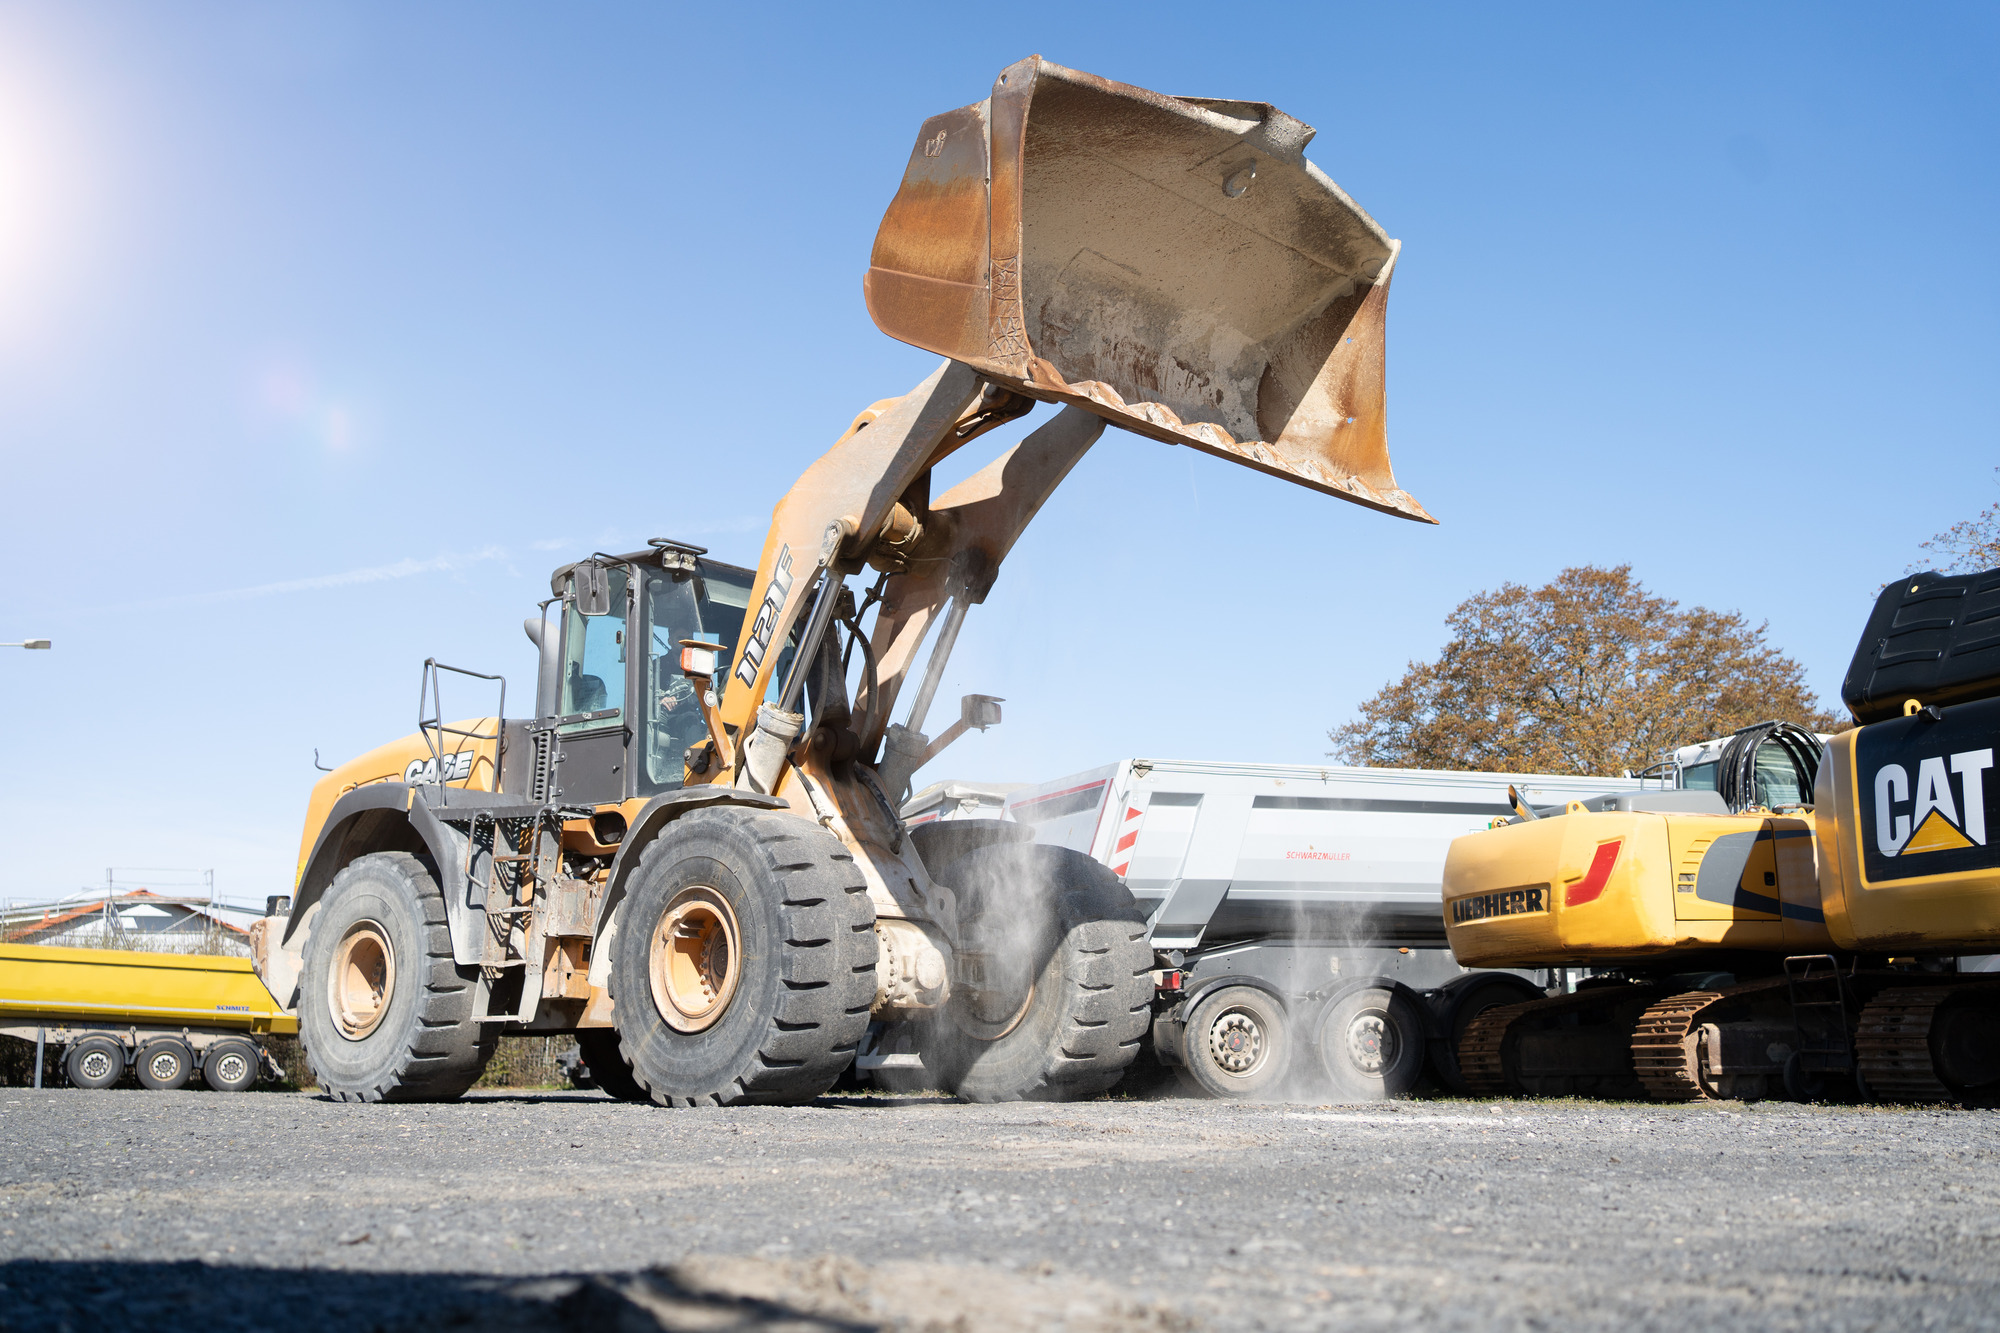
(1296, 911)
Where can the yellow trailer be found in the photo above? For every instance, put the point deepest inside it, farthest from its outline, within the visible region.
(164, 1015)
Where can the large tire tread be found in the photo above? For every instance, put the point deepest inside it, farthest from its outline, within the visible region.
(828, 983)
(1106, 970)
(448, 1050)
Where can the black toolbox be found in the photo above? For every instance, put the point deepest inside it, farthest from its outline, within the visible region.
(1934, 638)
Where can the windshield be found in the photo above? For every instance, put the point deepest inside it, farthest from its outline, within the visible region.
(1778, 778)
(708, 605)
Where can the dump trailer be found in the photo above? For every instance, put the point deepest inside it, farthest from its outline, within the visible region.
(1791, 921)
(163, 1016)
(690, 853)
(1293, 911)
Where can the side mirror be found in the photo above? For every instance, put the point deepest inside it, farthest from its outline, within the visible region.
(979, 711)
(591, 585)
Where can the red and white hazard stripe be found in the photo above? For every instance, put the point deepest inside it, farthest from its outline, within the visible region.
(1128, 834)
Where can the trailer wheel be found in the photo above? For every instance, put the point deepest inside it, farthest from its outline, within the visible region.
(94, 1062)
(1371, 1043)
(744, 965)
(1237, 1043)
(1066, 990)
(608, 1070)
(230, 1066)
(164, 1064)
(384, 1012)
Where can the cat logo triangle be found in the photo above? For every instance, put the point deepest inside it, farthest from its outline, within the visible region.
(1935, 835)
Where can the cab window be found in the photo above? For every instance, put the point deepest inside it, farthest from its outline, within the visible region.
(594, 649)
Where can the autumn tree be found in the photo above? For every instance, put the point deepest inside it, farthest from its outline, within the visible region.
(1590, 674)
(1965, 548)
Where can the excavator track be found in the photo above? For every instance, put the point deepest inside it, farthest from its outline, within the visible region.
(1482, 1050)
(1664, 1047)
(1893, 1047)
(1479, 1050)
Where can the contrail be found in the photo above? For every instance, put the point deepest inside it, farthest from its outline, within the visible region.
(402, 569)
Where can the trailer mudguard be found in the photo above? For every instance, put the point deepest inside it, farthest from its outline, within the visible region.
(653, 820)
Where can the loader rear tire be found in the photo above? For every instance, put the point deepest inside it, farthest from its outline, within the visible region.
(1071, 972)
(608, 1070)
(744, 966)
(385, 1015)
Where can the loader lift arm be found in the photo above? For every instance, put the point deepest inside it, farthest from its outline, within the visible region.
(1172, 266)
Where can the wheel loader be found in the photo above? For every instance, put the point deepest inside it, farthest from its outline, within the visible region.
(690, 855)
(1798, 929)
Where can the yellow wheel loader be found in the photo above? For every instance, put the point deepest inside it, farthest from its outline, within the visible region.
(691, 855)
(1769, 938)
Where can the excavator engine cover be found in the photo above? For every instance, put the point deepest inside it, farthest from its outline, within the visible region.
(1932, 639)
(1909, 833)
(1172, 264)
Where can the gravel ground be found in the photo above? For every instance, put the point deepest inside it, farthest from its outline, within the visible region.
(128, 1209)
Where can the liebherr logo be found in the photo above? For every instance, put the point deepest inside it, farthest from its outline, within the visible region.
(767, 618)
(1926, 815)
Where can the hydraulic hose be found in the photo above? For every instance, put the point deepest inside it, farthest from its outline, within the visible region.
(1736, 769)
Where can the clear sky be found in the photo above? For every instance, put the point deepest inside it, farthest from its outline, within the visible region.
(326, 331)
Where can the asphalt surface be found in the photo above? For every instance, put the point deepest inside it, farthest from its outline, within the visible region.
(145, 1209)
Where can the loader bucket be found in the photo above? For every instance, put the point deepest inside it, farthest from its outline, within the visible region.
(1173, 264)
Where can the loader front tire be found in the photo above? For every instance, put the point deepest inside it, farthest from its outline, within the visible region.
(385, 1015)
(1066, 993)
(744, 966)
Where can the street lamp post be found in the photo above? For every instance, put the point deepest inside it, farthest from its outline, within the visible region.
(27, 643)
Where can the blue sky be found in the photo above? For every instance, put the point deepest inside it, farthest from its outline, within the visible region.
(327, 330)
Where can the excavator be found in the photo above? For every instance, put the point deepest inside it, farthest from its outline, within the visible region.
(1807, 919)
(690, 856)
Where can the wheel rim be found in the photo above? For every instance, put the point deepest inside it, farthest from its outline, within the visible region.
(696, 959)
(164, 1066)
(1372, 1042)
(231, 1067)
(94, 1065)
(1006, 991)
(361, 980)
(1236, 1042)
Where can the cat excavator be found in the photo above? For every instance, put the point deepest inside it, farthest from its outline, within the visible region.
(690, 855)
(1813, 922)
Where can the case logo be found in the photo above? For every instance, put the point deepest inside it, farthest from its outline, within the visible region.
(457, 767)
(1926, 814)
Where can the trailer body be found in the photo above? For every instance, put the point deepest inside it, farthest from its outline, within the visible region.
(166, 1015)
(1303, 882)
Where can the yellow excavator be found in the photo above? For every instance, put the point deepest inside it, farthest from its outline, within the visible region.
(1814, 921)
(690, 855)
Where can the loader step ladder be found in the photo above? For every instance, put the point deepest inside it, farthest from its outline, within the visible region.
(1816, 986)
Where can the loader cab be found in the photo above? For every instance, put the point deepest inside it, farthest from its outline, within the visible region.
(627, 713)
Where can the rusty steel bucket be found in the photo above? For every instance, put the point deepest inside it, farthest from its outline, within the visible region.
(1173, 264)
